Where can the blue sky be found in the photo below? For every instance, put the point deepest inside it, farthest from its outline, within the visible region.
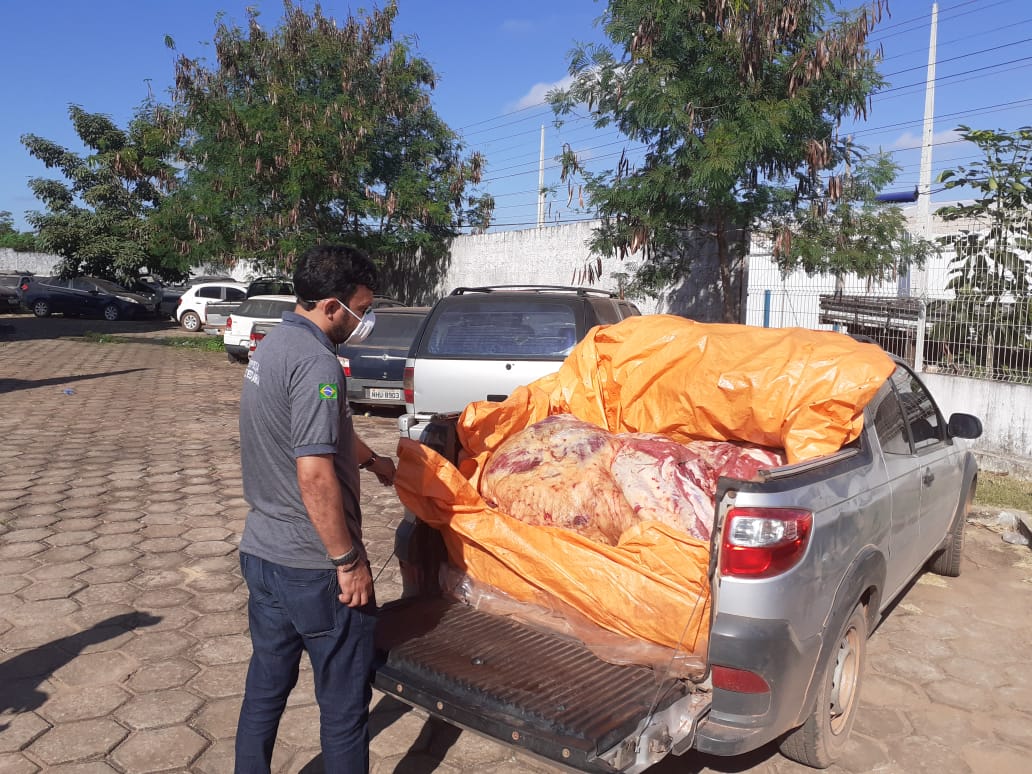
(495, 61)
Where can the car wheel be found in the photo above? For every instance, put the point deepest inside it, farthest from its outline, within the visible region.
(41, 308)
(112, 312)
(234, 358)
(821, 740)
(947, 561)
(191, 321)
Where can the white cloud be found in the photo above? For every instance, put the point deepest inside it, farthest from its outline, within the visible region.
(911, 140)
(536, 95)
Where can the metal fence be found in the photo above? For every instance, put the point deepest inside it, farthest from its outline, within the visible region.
(966, 317)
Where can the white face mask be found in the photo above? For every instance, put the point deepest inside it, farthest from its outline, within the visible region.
(364, 327)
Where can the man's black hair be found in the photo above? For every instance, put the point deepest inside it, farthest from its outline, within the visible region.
(332, 270)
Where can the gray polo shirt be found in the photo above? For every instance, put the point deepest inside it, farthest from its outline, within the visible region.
(293, 404)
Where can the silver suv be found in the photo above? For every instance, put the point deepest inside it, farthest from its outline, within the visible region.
(481, 343)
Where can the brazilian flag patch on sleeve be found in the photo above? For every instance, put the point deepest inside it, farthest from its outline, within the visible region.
(328, 391)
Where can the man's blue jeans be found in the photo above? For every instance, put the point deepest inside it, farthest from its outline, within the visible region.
(291, 610)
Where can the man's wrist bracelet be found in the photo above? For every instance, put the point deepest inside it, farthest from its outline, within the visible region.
(351, 557)
(373, 457)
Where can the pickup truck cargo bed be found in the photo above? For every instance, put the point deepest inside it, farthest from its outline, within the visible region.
(541, 691)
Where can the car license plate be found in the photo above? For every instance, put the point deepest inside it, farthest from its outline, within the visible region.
(374, 393)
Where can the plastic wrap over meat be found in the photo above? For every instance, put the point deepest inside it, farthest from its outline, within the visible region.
(563, 472)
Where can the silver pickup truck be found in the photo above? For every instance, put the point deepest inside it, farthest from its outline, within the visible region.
(805, 562)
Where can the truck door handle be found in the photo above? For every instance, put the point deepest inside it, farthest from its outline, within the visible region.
(928, 478)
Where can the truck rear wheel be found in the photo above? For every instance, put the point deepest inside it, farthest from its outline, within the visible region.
(821, 740)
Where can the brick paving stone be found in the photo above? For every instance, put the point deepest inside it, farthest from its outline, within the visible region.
(20, 730)
(115, 528)
(210, 548)
(217, 759)
(158, 708)
(31, 613)
(15, 763)
(118, 540)
(19, 550)
(217, 582)
(159, 749)
(208, 626)
(78, 740)
(218, 719)
(162, 545)
(221, 681)
(206, 533)
(56, 588)
(218, 602)
(162, 675)
(152, 531)
(72, 538)
(158, 579)
(91, 701)
(62, 570)
(114, 557)
(100, 575)
(74, 523)
(64, 554)
(21, 636)
(159, 561)
(103, 668)
(29, 535)
(107, 594)
(32, 522)
(229, 649)
(159, 599)
(15, 583)
(170, 619)
(89, 767)
(12, 567)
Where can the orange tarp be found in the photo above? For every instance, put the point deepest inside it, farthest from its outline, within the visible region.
(795, 389)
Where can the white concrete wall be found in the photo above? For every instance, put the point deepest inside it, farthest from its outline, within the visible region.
(1006, 414)
(37, 263)
(552, 255)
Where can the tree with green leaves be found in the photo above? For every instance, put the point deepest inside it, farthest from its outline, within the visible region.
(10, 237)
(315, 131)
(989, 324)
(98, 217)
(737, 105)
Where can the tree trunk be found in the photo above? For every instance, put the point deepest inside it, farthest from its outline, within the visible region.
(730, 303)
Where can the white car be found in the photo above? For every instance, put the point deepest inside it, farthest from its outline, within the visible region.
(257, 309)
(190, 312)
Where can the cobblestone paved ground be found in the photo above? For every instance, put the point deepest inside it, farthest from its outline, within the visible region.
(123, 632)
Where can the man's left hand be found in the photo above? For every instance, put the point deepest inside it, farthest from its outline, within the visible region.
(384, 469)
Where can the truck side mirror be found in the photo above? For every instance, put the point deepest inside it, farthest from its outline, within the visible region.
(965, 426)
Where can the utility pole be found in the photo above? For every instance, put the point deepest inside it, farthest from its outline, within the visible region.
(541, 182)
(924, 194)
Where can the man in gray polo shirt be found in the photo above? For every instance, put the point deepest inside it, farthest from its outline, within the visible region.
(301, 552)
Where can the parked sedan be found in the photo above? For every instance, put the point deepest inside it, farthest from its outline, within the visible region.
(83, 296)
(375, 368)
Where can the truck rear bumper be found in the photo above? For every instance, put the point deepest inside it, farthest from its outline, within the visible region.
(740, 722)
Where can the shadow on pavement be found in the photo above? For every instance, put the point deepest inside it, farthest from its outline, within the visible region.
(29, 328)
(12, 385)
(20, 676)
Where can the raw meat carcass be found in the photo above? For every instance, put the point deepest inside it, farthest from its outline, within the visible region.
(557, 473)
(563, 472)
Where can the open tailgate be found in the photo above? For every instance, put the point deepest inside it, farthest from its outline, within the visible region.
(530, 689)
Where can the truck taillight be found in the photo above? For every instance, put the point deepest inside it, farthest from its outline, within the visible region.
(252, 342)
(737, 680)
(229, 323)
(763, 542)
(408, 384)
(345, 363)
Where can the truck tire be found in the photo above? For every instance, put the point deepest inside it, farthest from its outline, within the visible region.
(947, 561)
(821, 740)
(191, 321)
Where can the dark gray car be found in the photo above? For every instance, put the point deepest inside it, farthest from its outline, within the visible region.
(375, 368)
